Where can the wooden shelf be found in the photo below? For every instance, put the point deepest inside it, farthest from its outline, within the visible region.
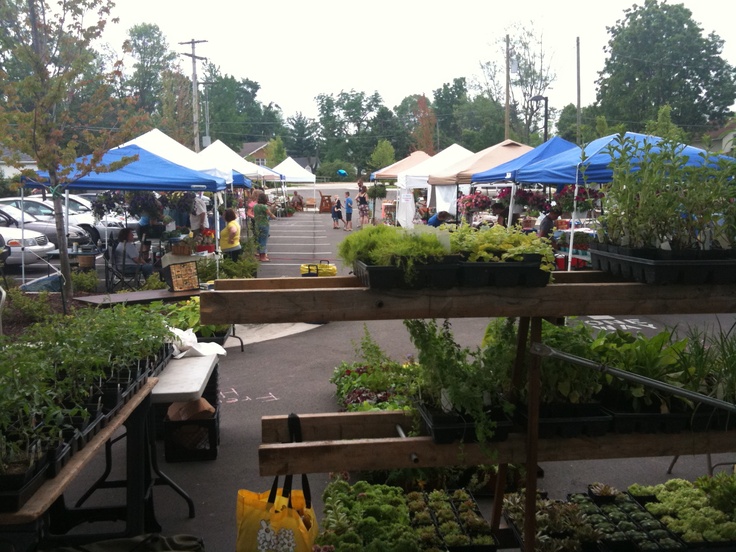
(344, 299)
(369, 441)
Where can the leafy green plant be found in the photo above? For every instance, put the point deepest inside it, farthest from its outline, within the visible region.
(374, 382)
(658, 357)
(184, 315)
(391, 246)
(31, 308)
(366, 517)
(85, 281)
(498, 243)
(449, 373)
(664, 204)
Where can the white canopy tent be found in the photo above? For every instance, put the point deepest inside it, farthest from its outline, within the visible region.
(293, 172)
(418, 176)
(220, 154)
(444, 184)
(164, 146)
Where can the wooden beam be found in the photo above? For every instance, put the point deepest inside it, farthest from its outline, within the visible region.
(554, 300)
(287, 283)
(337, 426)
(421, 452)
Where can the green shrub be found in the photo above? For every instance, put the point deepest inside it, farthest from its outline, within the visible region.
(85, 281)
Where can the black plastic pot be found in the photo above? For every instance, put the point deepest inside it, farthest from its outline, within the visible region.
(689, 268)
(448, 427)
(569, 420)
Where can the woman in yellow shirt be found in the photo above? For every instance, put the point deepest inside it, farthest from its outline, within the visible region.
(230, 236)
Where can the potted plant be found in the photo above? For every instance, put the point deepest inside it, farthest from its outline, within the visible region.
(501, 256)
(206, 240)
(459, 390)
(583, 201)
(473, 202)
(669, 221)
(389, 256)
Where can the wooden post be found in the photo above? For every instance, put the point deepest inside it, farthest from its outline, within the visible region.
(532, 436)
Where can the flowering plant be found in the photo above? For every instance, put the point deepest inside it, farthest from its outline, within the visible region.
(207, 236)
(182, 201)
(583, 201)
(145, 203)
(473, 202)
(108, 202)
(522, 197)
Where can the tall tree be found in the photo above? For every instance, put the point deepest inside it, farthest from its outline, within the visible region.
(657, 55)
(51, 49)
(533, 77)
(426, 123)
(387, 126)
(482, 123)
(148, 47)
(446, 100)
(275, 152)
(236, 114)
(175, 118)
(345, 122)
(300, 139)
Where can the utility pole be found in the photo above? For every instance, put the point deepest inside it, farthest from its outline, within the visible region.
(195, 86)
(507, 118)
(579, 114)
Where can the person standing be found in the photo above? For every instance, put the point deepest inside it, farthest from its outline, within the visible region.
(230, 236)
(262, 216)
(548, 222)
(336, 212)
(363, 208)
(348, 212)
(198, 215)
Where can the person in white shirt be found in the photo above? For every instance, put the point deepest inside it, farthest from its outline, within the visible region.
(198, 216)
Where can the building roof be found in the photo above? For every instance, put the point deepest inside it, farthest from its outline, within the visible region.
(249, 148)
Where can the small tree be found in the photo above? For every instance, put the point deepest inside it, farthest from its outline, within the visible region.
(56, 102)
(382, 156)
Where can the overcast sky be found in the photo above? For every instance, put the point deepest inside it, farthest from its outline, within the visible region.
(297, 49)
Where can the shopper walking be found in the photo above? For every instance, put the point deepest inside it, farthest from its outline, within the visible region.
(262, 217)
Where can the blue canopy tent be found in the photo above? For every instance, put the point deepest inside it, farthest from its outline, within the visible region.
(149, 172)
(507, 171)
(592, 165)
(241, 180)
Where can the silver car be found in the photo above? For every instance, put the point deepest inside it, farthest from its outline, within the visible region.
(11, 217)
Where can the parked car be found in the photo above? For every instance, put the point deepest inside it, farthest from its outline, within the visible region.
(44, 210)
(26, 246)
(11, 217)
(107, 227)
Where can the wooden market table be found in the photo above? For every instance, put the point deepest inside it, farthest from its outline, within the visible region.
(372, 441)
(46, 513)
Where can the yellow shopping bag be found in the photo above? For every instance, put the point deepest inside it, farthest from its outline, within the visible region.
(278, 520)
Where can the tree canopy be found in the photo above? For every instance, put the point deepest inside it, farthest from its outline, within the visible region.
(657, 55)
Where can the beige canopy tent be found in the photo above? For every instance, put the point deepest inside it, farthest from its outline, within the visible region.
(462, 171)
(391, 172)
(444, 185)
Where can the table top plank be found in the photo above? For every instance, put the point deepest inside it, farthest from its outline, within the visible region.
(52, 489)
(184, 379)
(133, 297)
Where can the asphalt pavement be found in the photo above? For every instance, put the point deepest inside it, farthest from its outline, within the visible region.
(286, 368)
